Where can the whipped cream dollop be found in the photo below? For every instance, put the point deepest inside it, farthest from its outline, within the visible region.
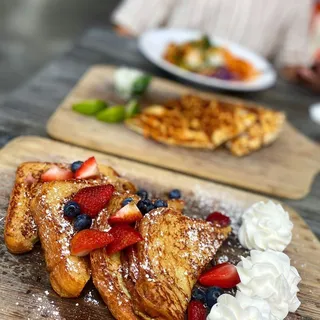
(269, 275)
(265, 226)
(240, 307)
(124, 79)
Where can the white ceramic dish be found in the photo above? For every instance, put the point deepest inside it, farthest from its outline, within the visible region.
(154, 42)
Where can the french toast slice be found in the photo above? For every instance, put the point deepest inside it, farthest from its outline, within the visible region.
(172, 256)
(68, 274)
(116, 276)
(21, 232)
(107, 270)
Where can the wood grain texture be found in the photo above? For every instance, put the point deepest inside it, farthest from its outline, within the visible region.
(24, 287)
(287, 167)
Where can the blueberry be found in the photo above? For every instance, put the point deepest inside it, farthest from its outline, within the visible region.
(199, 293)
(76, 165)
(143, 194)
(150, 207)
(212, 295)
(145, 206)
(175, 194)
(160, 203)
(126, 201)
(71, 209)
(83, 221)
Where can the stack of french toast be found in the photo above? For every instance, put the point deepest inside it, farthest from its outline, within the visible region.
(144, 256)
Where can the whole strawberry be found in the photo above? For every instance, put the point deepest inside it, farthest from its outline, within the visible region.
(93, 199)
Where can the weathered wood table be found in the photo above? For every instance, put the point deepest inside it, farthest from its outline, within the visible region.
(27, 109)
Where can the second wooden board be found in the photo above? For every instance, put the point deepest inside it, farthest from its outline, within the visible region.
(284, 169)
(25, 289)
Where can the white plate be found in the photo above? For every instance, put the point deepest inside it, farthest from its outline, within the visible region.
(154, 42)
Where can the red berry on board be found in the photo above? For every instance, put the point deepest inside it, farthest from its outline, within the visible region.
(224, 275)
(196, 310)
(219, 218)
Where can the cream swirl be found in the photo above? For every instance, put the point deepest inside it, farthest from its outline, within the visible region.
(239, 307)
(269, 275)
(265, 226)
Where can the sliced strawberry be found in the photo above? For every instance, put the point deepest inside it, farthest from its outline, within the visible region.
(128, 214)
(219, 218)
(56, 174)
(224, 275)
(89, 169)
(87, 240)
(124, 236)
(93, 199)
(196, 310)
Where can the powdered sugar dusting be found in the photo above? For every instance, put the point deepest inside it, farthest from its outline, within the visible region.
(46, 308)
(89, 298)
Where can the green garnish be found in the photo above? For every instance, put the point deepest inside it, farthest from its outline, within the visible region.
(112, 114)
(205, 42)
(89, 107)
(132, 108)
(141, 85)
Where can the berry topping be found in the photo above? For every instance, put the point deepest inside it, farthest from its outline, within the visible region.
(199, 293)
(82, 221)
(224, 275)
(93, 199)
(126, 201)
(124, 236)
(143, 194)
(57, 174)
(87, 240)
(175, 194)
(196, 310)
(89, 169)
(76, 165)
(160, 203)
(145, 206)
(212, 295)
(127, 214)
(219, 218)
(71, 209)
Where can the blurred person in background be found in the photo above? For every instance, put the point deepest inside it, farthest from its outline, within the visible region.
(276, 29)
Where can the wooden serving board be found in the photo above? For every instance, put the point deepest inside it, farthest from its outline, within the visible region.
(284, 169)
(24, 287)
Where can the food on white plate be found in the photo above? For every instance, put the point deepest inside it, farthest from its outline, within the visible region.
(202, 57)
